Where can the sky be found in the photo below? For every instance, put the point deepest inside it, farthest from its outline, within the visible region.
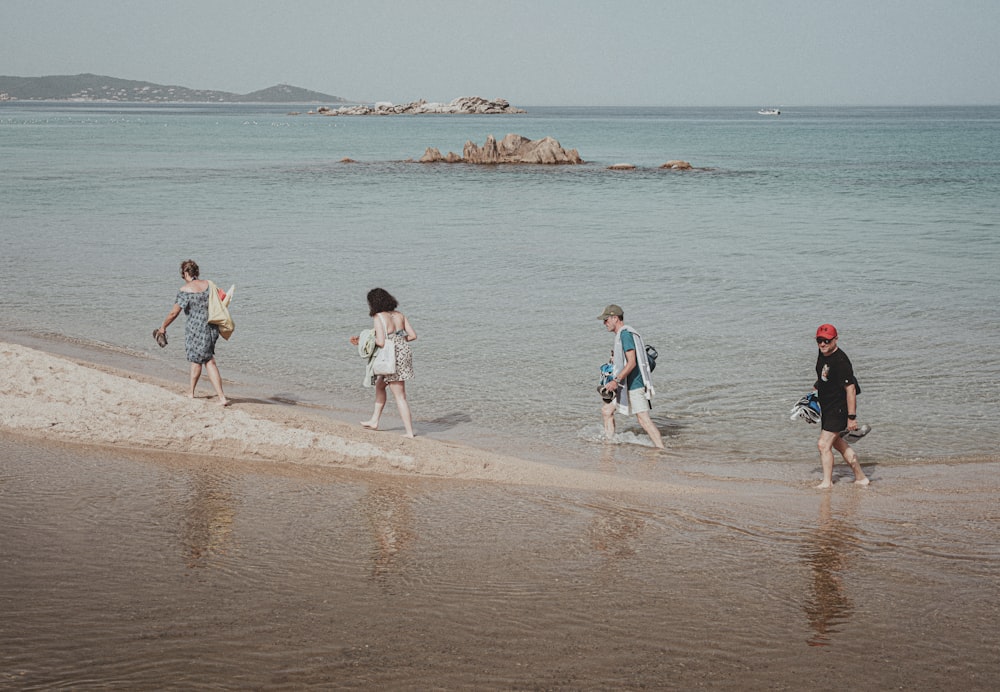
(530, 52)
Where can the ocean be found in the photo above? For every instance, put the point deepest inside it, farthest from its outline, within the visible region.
(135, 569)
(882, 221)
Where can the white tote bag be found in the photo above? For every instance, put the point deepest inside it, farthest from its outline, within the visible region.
(385, 357)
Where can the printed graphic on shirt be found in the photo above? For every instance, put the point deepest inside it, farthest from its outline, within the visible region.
(826, 372)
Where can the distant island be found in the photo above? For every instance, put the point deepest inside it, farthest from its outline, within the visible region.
(465, 105)
(97, 88)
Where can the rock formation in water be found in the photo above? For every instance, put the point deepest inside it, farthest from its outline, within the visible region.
(466, 105)
(674, 165)
(511, 149)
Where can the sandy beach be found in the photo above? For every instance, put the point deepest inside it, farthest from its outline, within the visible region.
(61, 398)
(151, 540)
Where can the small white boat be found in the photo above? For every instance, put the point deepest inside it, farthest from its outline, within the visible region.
(768, 111)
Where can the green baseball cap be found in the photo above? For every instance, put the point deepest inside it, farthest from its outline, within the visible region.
(611, 310)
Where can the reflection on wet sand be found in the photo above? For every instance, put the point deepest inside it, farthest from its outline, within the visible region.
(828, 551)
(318, 580)
(613, 531)
(208, 529)
(608, 460)
(388, 511)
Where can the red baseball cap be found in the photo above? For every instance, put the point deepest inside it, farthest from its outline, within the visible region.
(827, 331)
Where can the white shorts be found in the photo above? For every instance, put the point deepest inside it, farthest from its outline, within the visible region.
(637, 401)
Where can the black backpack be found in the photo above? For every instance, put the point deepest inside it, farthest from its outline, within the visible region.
(651, 356)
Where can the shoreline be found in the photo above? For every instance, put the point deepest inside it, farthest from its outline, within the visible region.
(149, 411)
(55, 396)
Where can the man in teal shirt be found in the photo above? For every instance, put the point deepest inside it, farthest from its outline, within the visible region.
(632, 383)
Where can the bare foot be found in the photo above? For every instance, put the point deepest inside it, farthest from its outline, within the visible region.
(224, 402)
(824, 485)
(369, 425)
(859, 475)
(409, 435)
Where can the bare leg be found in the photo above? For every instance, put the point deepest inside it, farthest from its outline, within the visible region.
(215, 377)
(825, 444)
(647, 424)
(372, 423)
(851, 457)
(399, 394)
(195, 374)
(608, 414)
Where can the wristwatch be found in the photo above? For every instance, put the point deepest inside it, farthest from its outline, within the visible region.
(852, 416)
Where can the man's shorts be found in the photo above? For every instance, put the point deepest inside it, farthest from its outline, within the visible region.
(638, 402)
(835, 420)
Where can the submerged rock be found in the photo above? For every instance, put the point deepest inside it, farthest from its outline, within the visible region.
(621, 167)
(511, 149)
(677, 165)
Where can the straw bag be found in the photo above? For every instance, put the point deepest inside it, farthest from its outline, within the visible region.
(218, 311)
(385, 357)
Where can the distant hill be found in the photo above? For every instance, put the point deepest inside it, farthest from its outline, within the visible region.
(92, 87)
(286, 93)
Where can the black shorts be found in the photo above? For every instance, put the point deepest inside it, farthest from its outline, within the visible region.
(835, 420)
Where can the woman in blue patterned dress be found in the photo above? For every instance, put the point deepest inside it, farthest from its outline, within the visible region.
(199, 335)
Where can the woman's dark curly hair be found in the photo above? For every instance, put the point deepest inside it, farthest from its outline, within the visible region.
(380, 300)
(191, 267)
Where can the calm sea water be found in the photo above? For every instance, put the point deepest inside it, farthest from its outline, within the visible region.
(883, 221)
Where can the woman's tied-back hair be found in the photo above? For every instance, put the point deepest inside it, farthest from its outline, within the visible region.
(189, 267)
(380, 300)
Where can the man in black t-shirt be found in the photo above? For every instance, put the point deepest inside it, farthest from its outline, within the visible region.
(837, 390)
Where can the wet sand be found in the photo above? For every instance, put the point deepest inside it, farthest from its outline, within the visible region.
(148, 540)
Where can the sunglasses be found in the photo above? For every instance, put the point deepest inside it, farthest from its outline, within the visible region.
(821, 340)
